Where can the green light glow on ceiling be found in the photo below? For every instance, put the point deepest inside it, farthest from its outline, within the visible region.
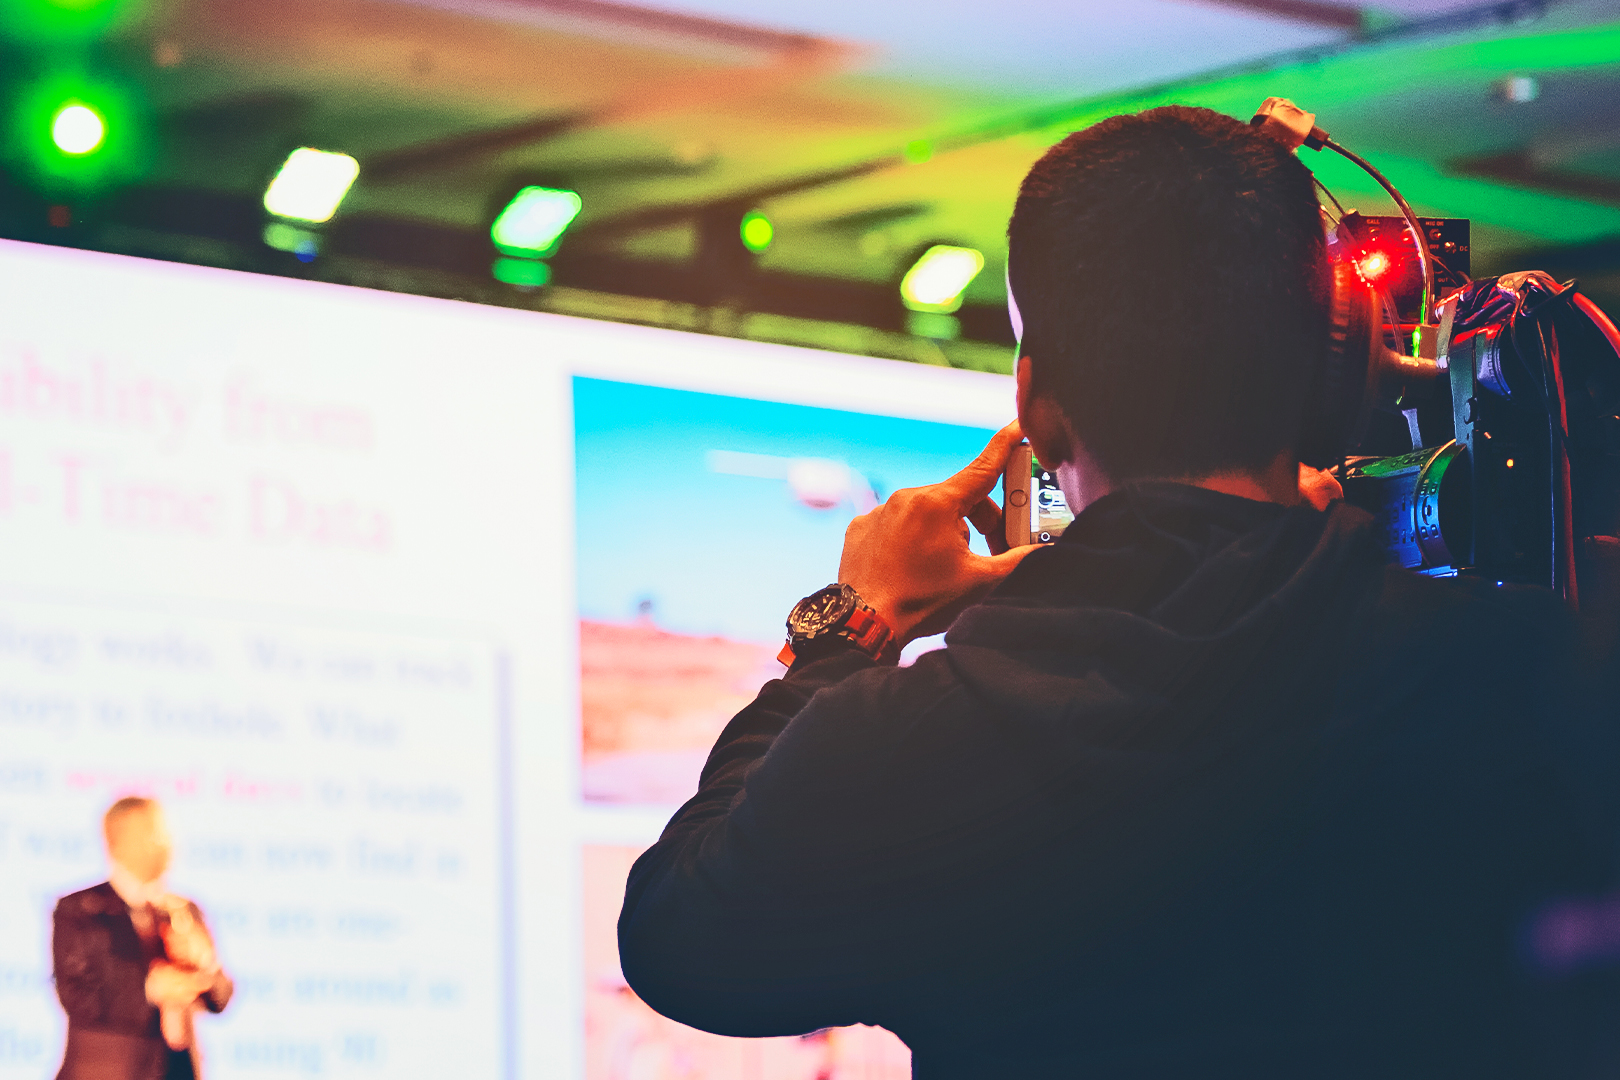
(523, 273)
(65, 20)
(292, 239)
(1538, 216)
(1338, 81)
(1345, 83)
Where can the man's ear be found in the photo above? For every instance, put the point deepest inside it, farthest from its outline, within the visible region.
(1041, 418)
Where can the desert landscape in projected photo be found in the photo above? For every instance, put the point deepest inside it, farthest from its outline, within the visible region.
(626, 1040)
(652, 703)
(688, 562)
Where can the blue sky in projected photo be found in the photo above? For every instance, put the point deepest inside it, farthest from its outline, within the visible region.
(717, 553)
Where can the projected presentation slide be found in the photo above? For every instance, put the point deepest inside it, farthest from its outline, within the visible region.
(701, 520)
(303, 563)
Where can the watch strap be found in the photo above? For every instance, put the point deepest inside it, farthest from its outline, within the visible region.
(863, 628)
(869, 632)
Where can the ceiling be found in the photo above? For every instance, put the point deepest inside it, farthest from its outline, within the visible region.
(863, 130)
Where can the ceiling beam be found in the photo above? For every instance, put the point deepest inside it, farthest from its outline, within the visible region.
(1524, 169)
(618, 19)
(787, 59)
(1494, 12)
(1310, 12)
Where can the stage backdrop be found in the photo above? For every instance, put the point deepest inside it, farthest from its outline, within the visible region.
(419, 617)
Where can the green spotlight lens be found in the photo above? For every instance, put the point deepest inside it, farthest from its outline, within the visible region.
(524, 273)
(75, 135)
(535, 220)
(757, 231)
(77, 129)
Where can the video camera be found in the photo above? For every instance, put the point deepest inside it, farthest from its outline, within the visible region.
(1482, 428)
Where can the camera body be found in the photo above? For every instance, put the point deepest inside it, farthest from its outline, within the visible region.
(1511, 460)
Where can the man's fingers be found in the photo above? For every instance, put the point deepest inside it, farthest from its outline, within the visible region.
(996, 567)
(986, 518)
(1318, 488)
(981, 476)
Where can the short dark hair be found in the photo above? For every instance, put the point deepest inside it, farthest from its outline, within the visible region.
(1171, 271)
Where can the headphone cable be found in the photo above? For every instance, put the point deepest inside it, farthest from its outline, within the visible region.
(1425, 260)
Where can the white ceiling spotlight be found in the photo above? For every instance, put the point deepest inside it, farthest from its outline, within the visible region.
(1519, 89)
(310, 184)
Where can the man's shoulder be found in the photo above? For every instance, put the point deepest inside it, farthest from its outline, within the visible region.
(96, 900)
(1475, 650)
(919, 686)
(875, 705)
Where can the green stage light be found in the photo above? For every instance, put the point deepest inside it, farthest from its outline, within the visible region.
(310, 184)
(938, 279)
(78, 129)
(757, 231)
(304, 243)
(524, 273)
(535, 220)
(76, 135)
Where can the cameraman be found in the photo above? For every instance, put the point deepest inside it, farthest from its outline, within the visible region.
(1206, 788)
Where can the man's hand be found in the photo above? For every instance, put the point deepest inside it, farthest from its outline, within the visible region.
(171, 986)
(185, 940)
(909, 558)
(1318, 487)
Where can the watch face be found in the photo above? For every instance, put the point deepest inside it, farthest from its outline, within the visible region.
(821, 611)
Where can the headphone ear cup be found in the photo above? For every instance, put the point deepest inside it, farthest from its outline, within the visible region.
(1338, 403)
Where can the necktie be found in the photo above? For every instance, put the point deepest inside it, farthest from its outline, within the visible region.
(146, 925)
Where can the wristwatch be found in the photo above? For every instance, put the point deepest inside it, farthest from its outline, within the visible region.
(837, 612)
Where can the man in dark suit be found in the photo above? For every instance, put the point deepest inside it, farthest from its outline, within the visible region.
(133, 962)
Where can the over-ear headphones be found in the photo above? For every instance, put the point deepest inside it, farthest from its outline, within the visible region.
(1356, 370)
(1339, 401)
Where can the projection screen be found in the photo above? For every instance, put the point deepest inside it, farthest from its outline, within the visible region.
(418, 616)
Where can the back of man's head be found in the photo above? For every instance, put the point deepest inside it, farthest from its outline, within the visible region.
(1170, 269)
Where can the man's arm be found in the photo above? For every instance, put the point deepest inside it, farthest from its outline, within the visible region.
(738, 919)
(715, 931)
(751, 733)
(218, 992)
(197, 975)
(79, 983)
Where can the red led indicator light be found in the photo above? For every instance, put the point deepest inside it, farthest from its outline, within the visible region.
(1374, 265)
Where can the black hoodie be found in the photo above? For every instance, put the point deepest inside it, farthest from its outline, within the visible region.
(1206, 789)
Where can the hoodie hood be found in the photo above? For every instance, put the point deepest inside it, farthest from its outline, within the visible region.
(1164, 593)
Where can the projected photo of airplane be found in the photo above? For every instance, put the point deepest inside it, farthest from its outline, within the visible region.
(819, 483)
(742, 506)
